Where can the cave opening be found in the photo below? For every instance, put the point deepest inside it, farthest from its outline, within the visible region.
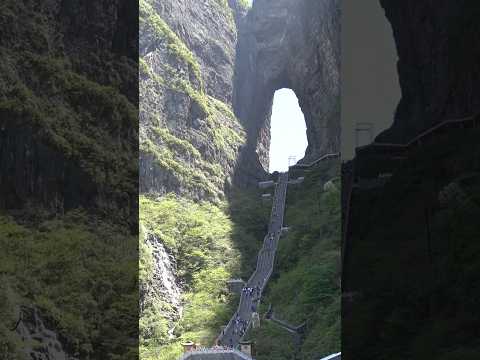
(288, 131)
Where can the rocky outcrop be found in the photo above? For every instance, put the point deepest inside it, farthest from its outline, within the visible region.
(439, 65)
(289, 44)
(194, 67)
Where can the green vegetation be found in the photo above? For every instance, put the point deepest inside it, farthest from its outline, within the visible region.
(178, 157)
(223, 3)
(245, 4)
(218, 238)
(201, 177)
(211, 244)
(306, 281)
(9, 342)
(50, 265)
(80, 271)
(199, 235)
(195, 159)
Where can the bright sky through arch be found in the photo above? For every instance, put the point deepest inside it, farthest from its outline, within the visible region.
(288, 130)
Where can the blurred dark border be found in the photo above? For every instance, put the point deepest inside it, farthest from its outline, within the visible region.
(410, 285)
(69, 179)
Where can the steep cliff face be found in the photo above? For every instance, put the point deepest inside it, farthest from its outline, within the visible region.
(189, 136)
(289, 44)
(439, 68)
(189, 145)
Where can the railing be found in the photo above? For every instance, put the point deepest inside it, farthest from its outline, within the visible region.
(322, 158)
(336, 356)
(212, 351)
(422, 135)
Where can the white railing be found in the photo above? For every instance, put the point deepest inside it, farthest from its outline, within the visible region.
(213, 351)
(336, 356)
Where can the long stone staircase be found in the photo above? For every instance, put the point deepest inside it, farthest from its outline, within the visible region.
(229, 339)
(241, 320)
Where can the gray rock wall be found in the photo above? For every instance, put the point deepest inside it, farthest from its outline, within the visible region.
(189, 136)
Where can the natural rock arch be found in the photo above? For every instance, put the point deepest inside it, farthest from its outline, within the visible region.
(295, 45)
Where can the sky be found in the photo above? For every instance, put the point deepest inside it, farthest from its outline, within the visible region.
(288, 130)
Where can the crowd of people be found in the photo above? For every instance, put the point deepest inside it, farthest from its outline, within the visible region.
(250, 291)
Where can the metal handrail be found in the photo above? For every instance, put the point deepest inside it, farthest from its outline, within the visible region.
(240, 354)
(323, 157)
(419, 136)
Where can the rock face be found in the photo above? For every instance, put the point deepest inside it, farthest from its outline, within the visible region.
(207, 28)
(163, 285)
(439, 65)
(41, 342)
(289, 44)
(68, 140)
(189, 136)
